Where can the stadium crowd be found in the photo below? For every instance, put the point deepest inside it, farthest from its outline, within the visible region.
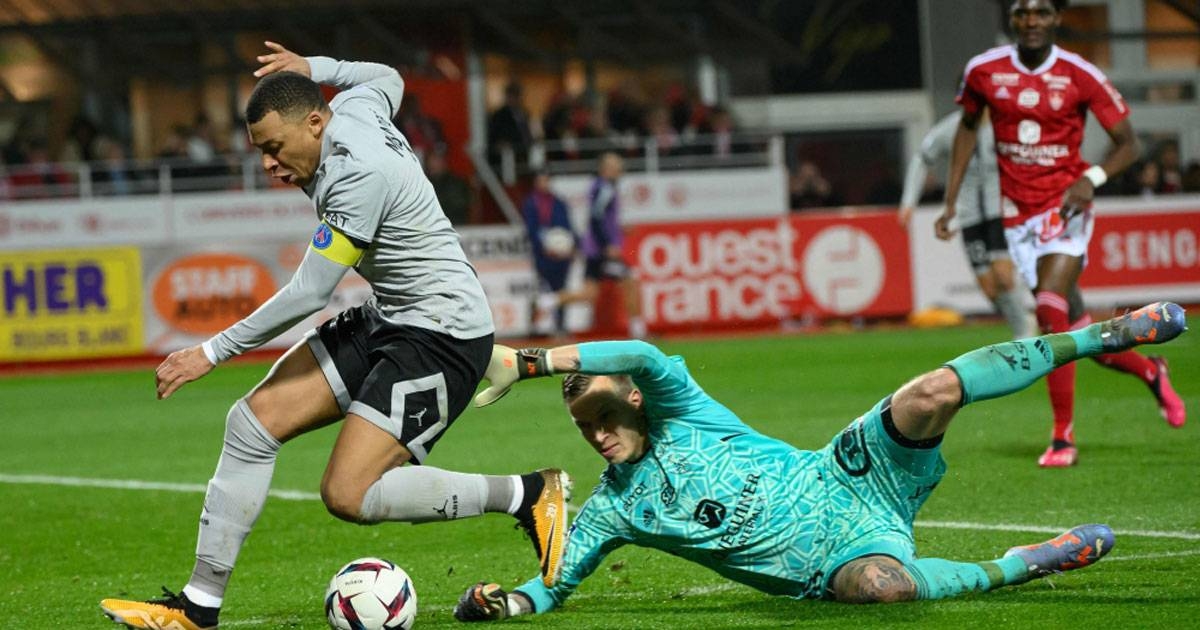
(575, 126)
(204, 156)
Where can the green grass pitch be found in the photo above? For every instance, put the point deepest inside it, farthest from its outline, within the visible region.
(64, 548)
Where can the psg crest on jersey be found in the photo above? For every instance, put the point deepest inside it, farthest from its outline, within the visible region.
(323, 237)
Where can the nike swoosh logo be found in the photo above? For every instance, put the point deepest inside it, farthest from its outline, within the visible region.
(549, 546)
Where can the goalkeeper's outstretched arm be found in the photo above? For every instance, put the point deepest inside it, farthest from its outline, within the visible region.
(652, 370)
(595, 534)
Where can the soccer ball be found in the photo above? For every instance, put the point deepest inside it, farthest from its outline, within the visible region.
(558, 242)
(371, 594)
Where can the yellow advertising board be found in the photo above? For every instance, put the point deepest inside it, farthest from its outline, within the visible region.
(70, 303)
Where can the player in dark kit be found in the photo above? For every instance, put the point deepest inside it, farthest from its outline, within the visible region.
(397, 370)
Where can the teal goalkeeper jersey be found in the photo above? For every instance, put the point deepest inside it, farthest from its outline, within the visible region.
(710, 489)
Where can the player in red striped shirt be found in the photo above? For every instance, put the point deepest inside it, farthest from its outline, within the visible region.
(1038, 96)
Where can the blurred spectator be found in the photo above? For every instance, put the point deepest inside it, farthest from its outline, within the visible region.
(16, 151)
(720, 132)
(557, 119)
(659, 129)
(625, 108)
(453, 192)
(175, 144)
(717, 136)
(808, 188)
(587, 135)
(552, 243)
(38, 177)
(111, 173)
(1170, 170)
(1148, 179)
(1191, 177)
(200, 147)
(239, 139)
(203, 170)
(81, 139)
(686, 115)
(424, 132)
(509, 126)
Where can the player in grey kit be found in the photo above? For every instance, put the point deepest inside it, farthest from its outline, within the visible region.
(979, 216)
(399, 368)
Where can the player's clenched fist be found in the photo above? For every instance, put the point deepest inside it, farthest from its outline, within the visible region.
(482, 602)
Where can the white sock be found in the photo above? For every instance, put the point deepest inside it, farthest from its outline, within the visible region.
(518, 494)
(235, 497)
(200, 598)
(421, 494)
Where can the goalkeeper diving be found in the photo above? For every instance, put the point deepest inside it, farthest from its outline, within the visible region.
(687, 476)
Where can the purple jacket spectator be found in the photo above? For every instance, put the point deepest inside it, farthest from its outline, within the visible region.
(604, 222)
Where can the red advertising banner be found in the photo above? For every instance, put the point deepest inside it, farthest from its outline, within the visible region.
(1143, 249)
(729, 274)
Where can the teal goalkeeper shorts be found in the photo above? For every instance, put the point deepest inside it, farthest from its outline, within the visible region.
(876, 481)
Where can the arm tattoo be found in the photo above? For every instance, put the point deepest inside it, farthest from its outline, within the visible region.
(873, 579)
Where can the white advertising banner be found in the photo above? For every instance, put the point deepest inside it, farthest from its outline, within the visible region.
(1141, 250)
(942, 274)
(500, 255)
(686, 195)
(260, 214)
(83, 223)
(195, 291)
(154, 219)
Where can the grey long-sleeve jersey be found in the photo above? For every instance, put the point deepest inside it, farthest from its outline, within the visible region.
(979, 197)
(370, 187)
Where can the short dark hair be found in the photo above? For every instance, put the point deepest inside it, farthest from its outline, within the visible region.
(1059, 5)
(575, 385)
(289, 93)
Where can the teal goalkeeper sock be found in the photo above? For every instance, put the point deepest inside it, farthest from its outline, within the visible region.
(939, 579)
(1001, 369)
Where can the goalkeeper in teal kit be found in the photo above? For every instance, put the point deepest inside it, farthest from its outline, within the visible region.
(688, 477)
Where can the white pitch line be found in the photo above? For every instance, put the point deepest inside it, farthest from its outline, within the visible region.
(1042, 529)
(695, 591)
(134, 484)
(698, 591)
(1153, 556)
(300, 495)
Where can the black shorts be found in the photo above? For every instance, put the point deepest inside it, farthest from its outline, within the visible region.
(606, 269)
(408, 381)
(984, 243)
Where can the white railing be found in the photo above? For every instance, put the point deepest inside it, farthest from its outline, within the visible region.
(642, 154)
(131, 177)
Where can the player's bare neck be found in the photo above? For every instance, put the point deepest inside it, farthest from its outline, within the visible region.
(1031, 58)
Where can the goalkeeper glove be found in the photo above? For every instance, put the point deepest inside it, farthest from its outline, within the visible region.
(482, 602)
(509, 366)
